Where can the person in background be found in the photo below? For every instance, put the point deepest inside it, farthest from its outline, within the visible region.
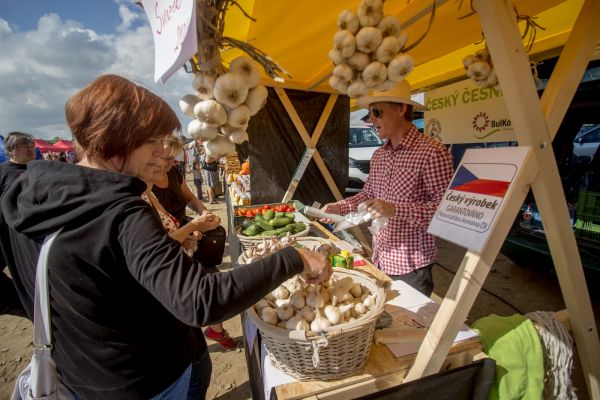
(125, 301)
(171, 195)
(182, 159)
(197, 172)
(408, 177)
(210, 166)
(20, 148)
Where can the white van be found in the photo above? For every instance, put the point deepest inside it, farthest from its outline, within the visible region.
(362, 143)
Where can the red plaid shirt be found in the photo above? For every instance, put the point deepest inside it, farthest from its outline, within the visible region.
(414, 177)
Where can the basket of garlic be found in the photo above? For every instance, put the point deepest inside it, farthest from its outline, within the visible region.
(320, 331)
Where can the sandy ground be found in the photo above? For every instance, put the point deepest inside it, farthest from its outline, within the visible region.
(509, 289)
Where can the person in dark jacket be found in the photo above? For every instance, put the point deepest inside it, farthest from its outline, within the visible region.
(20, 148)
(124, 299)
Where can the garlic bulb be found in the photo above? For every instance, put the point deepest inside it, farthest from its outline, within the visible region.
(389, 26)
(198, 129)
(356, 289)
(468, 60)
(219, 146)
(230, 90)
(297, 323)
(297, 299)
(262, 303)
(269, 315)
(227, 130)
(245, 67)
(402, 39)
(344, 72)
(187, 103)
(344, 42)
(319, 323)
(211, 112)
(360, 308)
(307, 313)
(370, 12)
(375, 74)
(389, 47)
(239, 116)
(281, 292)
(357, 89)
(281, 302)
(294, 284)
(238, 136)
(399, 67)
(256, 99)
(368, 39)
(348, 20)
(281, 324)
(203, 85)
(369, 301)
(333, 314)
(358, 61)
(479, 70)
(284, 312)
(336, 56)
(482, 55)
(339, 84)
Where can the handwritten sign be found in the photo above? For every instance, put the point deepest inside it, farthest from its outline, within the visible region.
(465, 113)
(469, 208)
(306, 157)
(173, 25)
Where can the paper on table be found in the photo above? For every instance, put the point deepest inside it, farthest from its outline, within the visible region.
(418, 317)
(249, 332)
(272, 376)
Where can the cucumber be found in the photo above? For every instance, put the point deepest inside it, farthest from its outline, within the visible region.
(272, 232)
(291, 216)
(287, 228)
(279, 214)
(298, 227)
(247, 222)
(279, 222)
(269, 215)
(252, 230)
(263, 225)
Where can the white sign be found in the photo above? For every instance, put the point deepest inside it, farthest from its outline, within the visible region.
(306, 157)
(468, 211)
(465, 113)
(173, 25)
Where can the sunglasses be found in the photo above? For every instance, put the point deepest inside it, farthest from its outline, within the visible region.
(376, 112)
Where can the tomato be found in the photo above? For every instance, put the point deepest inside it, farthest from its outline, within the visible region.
(266, 207)
(250, 214)
(291, 209)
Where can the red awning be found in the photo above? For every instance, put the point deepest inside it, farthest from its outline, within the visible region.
(45, 146)
(64, 145)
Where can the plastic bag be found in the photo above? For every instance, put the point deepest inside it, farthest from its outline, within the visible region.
(360, 217)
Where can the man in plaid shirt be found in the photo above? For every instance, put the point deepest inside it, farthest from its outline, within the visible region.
(408, 177)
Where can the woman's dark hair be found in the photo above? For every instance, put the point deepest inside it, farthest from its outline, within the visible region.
(112, 116)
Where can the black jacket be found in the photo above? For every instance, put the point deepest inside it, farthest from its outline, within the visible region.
(124, 297)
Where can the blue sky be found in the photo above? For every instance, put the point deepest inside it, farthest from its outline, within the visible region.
(52, 48)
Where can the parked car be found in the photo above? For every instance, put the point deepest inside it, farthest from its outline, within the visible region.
(586, 144)
(362, 143)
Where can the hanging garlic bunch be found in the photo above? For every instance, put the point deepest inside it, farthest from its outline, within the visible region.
(223, 105)
(480, 69)
(364, 49)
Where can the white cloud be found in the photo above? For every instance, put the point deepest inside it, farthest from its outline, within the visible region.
(128, 17)
(42, 68)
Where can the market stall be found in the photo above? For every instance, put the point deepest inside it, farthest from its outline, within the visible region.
(298, 38)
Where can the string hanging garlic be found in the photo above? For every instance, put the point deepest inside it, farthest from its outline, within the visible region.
(389, 47)
(344, 42)
(357, 89)
(339, 84)
(389, 26)
(219, 146)
(400, 66)
(358, 61)
(239, 117)
(344, 72)
(336, 57)
(238, 136)
(203, 84)
(374, 74)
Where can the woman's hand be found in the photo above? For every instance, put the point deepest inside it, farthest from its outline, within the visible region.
(316, 266)
(206, 222)
(189, 243)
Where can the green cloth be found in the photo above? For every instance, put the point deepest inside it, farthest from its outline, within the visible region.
(515, 345)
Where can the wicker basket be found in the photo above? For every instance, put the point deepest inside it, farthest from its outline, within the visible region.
(337, 352)
(247, 241)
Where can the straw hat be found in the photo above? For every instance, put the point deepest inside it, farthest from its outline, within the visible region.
(400, 93)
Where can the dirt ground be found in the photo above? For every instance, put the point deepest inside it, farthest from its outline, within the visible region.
(509, 289)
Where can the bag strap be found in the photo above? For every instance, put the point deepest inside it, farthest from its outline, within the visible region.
(42, 335)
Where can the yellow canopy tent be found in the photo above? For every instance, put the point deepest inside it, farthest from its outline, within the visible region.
(298, 35)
